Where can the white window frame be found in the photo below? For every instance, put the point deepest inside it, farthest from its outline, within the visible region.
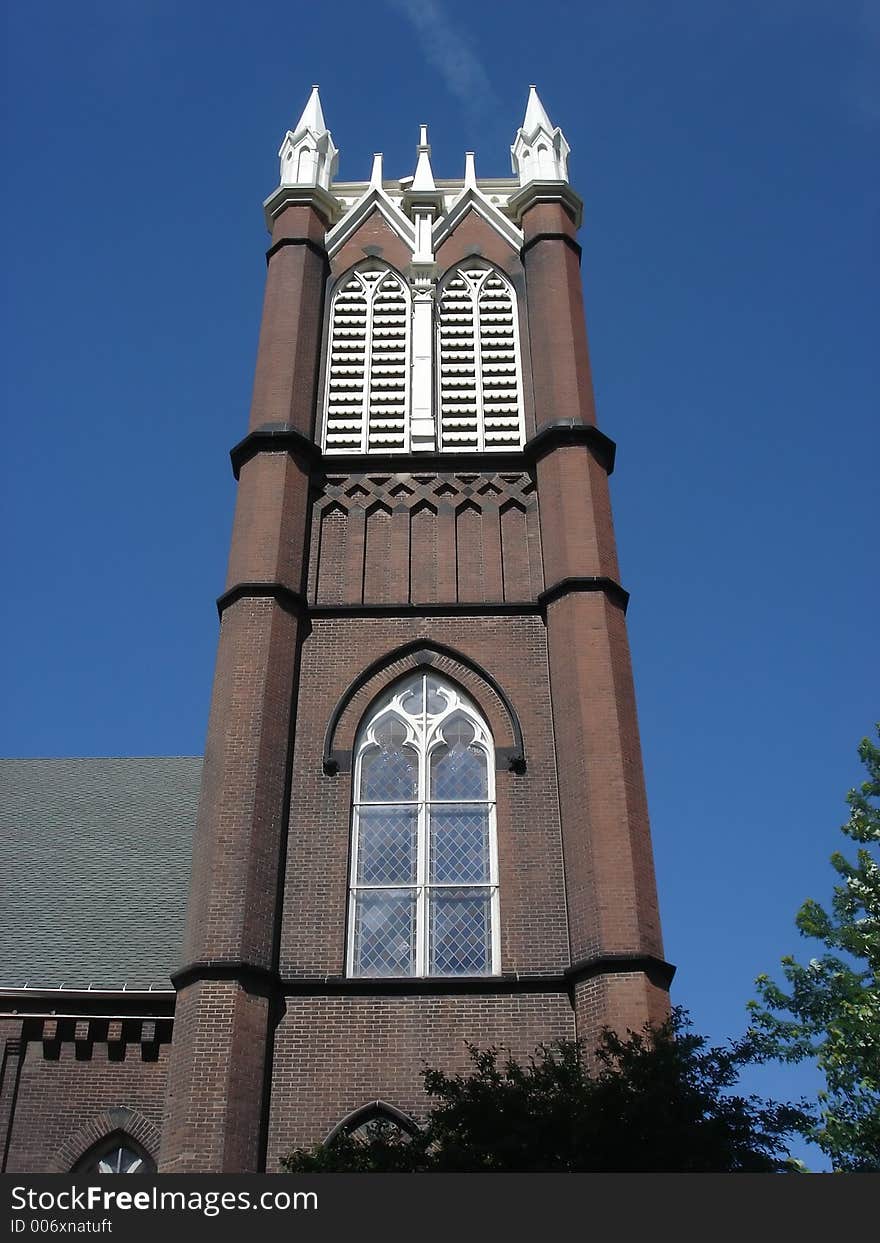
(424, 737)
(468, 270)
(384, 271)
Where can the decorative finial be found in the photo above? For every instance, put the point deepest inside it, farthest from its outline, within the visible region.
(536, 114)
(376, 174)
(312, 115)
(470, 171)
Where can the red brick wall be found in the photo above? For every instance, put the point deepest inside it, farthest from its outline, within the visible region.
(334, 1054)
(373, 239)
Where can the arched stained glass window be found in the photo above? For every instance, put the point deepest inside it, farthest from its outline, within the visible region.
(424, 879)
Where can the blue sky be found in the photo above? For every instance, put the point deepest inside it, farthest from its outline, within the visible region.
(727, 155)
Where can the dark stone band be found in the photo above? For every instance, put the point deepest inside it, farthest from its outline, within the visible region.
(585, 582)
(563, 432)
(566, 238)
(656, 969)
(291, 601)
(297, 604)
(273, 438)
(251, 976)
(282, 437)
(314, 247)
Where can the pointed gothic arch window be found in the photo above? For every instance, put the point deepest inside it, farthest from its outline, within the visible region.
(424, 866)
(362, 1123)
(367, 399)
(479, 390)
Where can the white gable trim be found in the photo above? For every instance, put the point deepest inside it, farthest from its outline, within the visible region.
(473, 198)
(374, 198)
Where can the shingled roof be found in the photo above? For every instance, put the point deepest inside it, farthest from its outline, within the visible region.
(95, 859)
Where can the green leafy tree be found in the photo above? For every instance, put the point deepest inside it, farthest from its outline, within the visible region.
(660, 1100)
(829, 1008)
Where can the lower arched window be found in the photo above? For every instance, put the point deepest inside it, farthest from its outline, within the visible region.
(424, 870)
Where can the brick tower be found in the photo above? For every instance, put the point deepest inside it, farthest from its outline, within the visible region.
(423, 817)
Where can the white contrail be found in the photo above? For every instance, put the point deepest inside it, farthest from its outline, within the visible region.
(447, 49)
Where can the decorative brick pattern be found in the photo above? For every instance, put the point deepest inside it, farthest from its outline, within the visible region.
(380, 539)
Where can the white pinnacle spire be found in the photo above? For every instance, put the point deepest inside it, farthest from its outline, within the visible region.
(470, 171)
(536, 114)
(313, 116)
(308, 156)
(424, 174)
(421, 198)
(539, 151)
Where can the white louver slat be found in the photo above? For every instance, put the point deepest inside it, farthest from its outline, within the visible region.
(367, 393)
(479, 390)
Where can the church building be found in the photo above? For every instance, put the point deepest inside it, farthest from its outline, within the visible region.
(420, 819)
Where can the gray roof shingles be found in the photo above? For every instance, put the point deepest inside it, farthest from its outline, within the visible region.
(95, 860)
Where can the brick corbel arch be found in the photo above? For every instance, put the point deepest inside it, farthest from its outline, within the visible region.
(372, 682)
(120, 1120)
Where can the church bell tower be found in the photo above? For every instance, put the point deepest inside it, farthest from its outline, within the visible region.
(423, 817)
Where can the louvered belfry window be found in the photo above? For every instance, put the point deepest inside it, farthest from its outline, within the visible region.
(480, 397)
(367, 397)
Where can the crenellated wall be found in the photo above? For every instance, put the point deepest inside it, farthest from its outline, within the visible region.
(66, 1083)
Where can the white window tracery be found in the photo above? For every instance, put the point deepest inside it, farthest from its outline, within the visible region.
(424, 869)
(367, 397)
(478, 368)
(119, 1156)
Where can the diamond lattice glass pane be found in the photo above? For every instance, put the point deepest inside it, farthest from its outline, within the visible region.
(386, 845)
(389, 774)
(459, 845)
(390, 732)
(459, 772)
(384, 932)
(460, 932)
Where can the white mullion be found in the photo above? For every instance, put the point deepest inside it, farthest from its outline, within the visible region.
(354, 889)
(494, 891)
(422, 848)
(368, 368)
(478, 364)
(517, 365)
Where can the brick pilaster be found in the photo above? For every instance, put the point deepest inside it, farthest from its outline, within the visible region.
(216, 1105)
(610, 887)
